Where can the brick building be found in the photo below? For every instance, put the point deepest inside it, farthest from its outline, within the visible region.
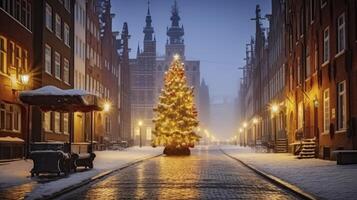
(16, 61)
(322, 54)
(53, 64)
(309, 76)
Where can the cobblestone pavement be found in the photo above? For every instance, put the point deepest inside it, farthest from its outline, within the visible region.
(206, 174)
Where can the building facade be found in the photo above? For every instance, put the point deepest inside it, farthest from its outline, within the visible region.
(142, 86)
(53, 64)
(321, 49)
(80, 23)
(309, 75)
(16, 68)
(125, 101)
(175, 45)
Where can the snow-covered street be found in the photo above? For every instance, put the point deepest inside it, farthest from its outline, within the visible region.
(321, 178)
(15, 176)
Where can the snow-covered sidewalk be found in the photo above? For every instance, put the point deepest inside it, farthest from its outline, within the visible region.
(322, 178)
(16, 174)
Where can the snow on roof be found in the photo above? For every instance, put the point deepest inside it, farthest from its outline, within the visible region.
(11, 139)
(52, 90)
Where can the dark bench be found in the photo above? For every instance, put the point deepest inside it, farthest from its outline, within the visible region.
(82, 156)
(50, 158)
(344, 157)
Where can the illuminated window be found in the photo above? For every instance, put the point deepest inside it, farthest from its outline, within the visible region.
(65, 123)
(3, 55)
(326, 110)
(57, 118)
(47, 121)
(10, 117)
(341, 105)
(300, 115)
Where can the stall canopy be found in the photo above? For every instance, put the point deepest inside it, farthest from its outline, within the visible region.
(51, 98)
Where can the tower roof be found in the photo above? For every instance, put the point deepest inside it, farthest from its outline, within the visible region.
(175, 32)
(148, 29)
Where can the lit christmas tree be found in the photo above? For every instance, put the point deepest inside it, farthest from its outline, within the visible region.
(176, 114)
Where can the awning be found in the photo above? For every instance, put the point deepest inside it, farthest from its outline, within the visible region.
(51, 98)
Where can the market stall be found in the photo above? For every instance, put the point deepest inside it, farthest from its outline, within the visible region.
(62, 156)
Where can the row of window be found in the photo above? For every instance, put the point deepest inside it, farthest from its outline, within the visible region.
(12, 56)
(93, 57)
(96, 87)
(146, 134)
(80, 14)
(341, 38)
(58, 25)
(61, 67)
(79, 80)
(20, 10)
(91, 27)
(341, 45)
(10, 117)
(56, 122)
(80, 47)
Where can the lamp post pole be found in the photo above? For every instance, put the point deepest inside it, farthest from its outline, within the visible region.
(140, 124)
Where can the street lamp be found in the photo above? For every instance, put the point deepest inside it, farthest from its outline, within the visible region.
(255, 122)
(275, 108)
(140, 123)
(24, 78)
(106, 106)
(274, 111)
(245, 133)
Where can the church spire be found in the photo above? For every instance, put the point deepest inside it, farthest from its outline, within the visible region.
(138, 50)
(148, 29)
(148, 13)
(175, 32)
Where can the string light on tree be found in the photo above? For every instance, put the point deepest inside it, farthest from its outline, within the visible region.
(176, 114)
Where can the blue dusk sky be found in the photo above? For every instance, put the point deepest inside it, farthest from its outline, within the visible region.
(216, 32)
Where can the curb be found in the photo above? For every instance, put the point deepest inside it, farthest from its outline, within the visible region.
(95, 178)
(275, 180)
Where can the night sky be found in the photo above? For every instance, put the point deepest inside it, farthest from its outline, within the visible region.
(215, 34)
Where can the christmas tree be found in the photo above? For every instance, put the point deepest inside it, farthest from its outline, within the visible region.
(176, 114)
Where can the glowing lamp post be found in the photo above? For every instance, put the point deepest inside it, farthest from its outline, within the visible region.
(106, 107)
(25, 78)
(274, 112)
(255, 122)
(140, 124)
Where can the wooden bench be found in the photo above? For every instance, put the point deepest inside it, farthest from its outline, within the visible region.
(81, 155)
(50, 158)
(345, 157)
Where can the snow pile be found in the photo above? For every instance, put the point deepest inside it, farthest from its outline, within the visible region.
(322, 178)
(16, 174)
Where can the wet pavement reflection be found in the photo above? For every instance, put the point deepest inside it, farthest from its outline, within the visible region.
(206, 174)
